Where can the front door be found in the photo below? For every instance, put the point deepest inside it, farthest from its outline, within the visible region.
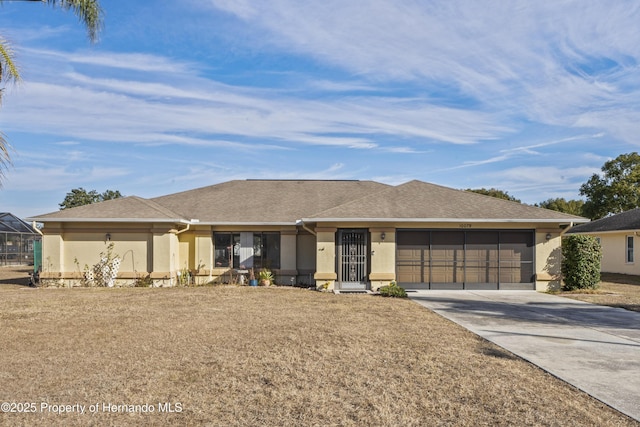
(352, 259)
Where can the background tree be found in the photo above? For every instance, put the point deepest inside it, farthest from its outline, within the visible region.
(87, 11)
(493, 192)
(81, 197)
(572, 207)
(616, 190)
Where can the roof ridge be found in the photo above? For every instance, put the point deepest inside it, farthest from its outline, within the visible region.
(389, 187)
(158, 207)
(437, 201)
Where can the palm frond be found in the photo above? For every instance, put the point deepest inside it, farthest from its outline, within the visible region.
(88, 11)
(5, 158)
(8, 69)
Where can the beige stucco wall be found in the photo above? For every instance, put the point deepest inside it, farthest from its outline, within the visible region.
(71, 249)
(82, 250)
(383, 256)
(325, 256)
(548, 258)
(614, 253)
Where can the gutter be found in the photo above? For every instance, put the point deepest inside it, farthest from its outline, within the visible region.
(444, 220)
(112, 220)
(301, 223)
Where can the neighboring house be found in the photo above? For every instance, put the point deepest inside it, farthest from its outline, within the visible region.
(17, 241)
(350, 235)
(619, 238)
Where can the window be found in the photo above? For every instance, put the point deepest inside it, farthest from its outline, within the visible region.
(247, 249)
(226, 249)
(629, 249)
(266, 250)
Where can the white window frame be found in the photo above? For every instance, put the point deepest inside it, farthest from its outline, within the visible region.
(629, 256)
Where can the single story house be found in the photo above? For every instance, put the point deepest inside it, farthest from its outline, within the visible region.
(345, 235)
(617, 235)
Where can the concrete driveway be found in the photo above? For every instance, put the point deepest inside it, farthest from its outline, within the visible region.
(594, 348)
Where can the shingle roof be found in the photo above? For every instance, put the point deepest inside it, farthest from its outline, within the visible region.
(265, 201)
(629, 220)
(417, 200)
(287, 201)
(130, 208)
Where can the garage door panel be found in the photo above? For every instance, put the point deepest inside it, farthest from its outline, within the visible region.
(412, 255)
(516, 272)
(477, 259)
(409, 273)
(482, 273)
(447, 272)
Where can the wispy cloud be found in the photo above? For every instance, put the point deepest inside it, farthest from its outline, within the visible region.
(123, 110)
(126, 61)
(530, 97)
(544, 61)
(529, 149)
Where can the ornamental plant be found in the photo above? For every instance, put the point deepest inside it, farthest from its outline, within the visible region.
(104, 272)
(392, 290)
(581, 258)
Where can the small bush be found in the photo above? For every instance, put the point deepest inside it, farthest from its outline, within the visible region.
(143, 281)
(581, 257)
(392, 290)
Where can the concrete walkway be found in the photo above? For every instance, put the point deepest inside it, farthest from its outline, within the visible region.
(594, 348)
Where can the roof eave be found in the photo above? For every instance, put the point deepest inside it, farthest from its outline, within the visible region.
(450, 220)
(140, 220)
(622, 230)
(247, 223)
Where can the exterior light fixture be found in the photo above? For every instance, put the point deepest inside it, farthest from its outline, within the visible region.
(107, 237)
(548, 236)
(383, 236)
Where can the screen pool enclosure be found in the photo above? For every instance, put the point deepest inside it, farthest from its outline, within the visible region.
(17, 241)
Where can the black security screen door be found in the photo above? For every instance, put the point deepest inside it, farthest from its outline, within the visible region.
(352, 259)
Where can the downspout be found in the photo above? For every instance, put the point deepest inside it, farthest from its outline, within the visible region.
(186, 229)
(566, 229)
(33, 225)
(174, 255)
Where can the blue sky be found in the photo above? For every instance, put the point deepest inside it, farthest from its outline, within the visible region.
(528, 97)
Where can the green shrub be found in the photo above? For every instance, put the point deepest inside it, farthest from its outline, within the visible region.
(392, 290)
(143, 281)
(581, 256)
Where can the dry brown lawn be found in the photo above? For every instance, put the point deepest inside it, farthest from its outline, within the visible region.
(616, 290)
(230, 356)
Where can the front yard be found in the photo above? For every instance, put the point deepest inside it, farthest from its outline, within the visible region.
(616, 290)
(256, 356)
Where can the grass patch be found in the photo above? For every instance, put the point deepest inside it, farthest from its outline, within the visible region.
(616, 290)
(260, 356)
